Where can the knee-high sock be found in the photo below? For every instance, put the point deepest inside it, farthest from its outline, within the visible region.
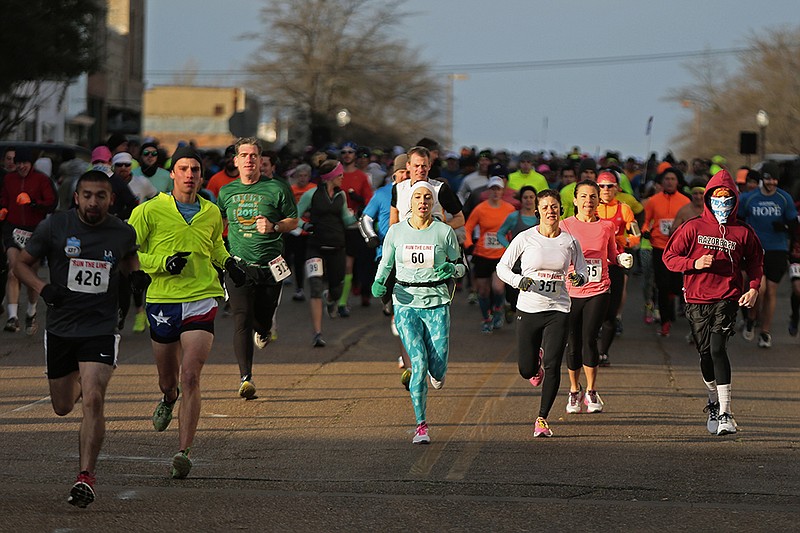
(497, 301)
(724, 392)
(484, 305)
(348, 284)
(711, 386)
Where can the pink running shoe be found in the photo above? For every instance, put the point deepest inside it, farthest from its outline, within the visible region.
(541, 429)
(537, 379)
(421, 434)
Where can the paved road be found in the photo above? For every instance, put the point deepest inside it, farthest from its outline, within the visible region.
(326, 446)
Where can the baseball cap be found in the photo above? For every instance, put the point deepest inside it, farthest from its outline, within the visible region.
(101, 153)
(496, 181)
(451, 155)
(400, 163)
(606, 177)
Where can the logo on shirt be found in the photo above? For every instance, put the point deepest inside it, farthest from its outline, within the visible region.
(767, 210)
(716, 243)
(108, 255)
(73, 247)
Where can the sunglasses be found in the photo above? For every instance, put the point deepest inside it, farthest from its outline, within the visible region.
(148, 152)
(348, 152)
(122, 164)
(606, 185)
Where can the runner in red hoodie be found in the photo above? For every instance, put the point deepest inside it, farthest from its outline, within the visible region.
(711, 250)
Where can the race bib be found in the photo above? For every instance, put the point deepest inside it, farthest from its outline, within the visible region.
(314, 267)
(490, 240)
(665, 225)
(21, 237)
(547, 283)
(595, 269)
(417, 256)
(88, 276)
(794, 270)
(279, 268)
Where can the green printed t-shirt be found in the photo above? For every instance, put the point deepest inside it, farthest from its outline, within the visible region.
(241, 203)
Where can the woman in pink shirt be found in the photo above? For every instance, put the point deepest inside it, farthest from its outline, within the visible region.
(589, 301)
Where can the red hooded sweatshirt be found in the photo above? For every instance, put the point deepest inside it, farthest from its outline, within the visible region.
(733, 245)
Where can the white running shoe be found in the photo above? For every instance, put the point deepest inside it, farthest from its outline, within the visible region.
(574, 402)
(393, 327)
(435, 383)
(260, 340)
(765, 340)
(713, 413)
(726, 425)
(594, 404)
(421, 434)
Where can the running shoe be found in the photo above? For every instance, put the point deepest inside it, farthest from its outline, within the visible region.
(618, 329)
(393, 327)
(273, 335)
(793, 326)
(603, 360)
(421, 434)
(162, 416)
(497, 319)
(247, 389)
(486, 327)
(726, 425)
(765, 340)
(574, 401)
(140, 322)
(343, 311)
(400, 362)
(12, 325)
(299, 296)
(82, 492)
(648, 314)
(435, 383)
(665, 329)
(318, 341)
(541, 429)
(537, 379)
(749, 333)
(260, 341)
(330, 306)
(405, 378)
(31, 325)
(387, 309)
(472, 299)
(594, 404)
(713, 414)
(181, 464)
(510, 313)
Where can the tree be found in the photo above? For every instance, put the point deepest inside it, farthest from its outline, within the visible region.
(766, 78)
(319, 56)
(44, 41)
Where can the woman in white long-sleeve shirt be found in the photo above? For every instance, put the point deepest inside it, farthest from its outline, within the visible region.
(543, 306)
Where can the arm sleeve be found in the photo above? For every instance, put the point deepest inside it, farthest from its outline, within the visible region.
(387, 257)
(507, 261)
(453, 251)
(304, 204)
(347, 216)
(508, 223)
(754, 259)
(150, 262)
(449, 200)
(49, 199)
(648, 215)
(578, 260)
(676, 253)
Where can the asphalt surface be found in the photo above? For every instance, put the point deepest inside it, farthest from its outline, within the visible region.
(326, 446)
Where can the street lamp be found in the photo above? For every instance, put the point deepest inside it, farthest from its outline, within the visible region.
(451, 78)
(762, 119)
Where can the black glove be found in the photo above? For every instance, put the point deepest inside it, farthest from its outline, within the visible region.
(235, 272)
(646, 235)
(525, 283)
(53, 295)
(373, 242)
(308, 227)
(469, 249)
(355, 197)
(779, 226)
(175, 263)
(139, 280)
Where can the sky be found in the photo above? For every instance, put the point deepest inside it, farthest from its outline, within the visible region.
(529, 103)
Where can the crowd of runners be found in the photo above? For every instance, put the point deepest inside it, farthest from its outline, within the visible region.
(544, 241)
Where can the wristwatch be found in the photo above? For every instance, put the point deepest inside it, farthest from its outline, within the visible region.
(275, 227)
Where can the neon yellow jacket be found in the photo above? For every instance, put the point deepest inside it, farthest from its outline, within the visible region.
(161, 231)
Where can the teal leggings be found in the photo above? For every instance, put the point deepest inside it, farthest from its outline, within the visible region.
(425, 334)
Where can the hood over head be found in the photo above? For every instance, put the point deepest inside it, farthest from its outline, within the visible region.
(722, 178)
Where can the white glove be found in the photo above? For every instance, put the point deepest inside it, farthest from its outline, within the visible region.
(296, 231)
(625, 260)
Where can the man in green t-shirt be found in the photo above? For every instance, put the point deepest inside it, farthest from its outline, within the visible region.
(258, 211)
(526, 175)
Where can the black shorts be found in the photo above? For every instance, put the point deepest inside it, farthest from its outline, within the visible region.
(62, 354)
(353, 241)
(705, 319)
(484, 267)
(16, 236)
(775, 264)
